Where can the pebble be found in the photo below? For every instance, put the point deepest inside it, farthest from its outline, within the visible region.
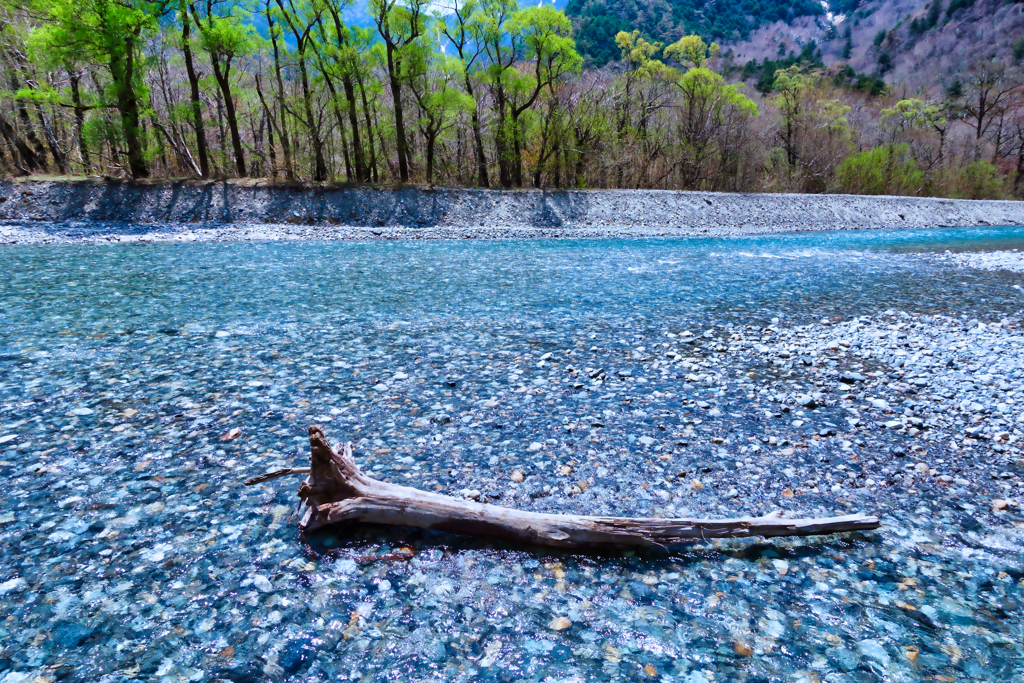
(262, 583)
(559, 624)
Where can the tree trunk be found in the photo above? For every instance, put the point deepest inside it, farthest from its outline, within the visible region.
(478, 140)
(501, 148)
(51, 142)
(38, 158)
(221, 73)
(76, 100)
(517, 168)
(320, 169)
(269, 115)
(337, 491)
(362, 173)
(270, 142)
(341, 127)
(15, 144)
(193, 84)
(396, 96)
(122, 72)
(286, 149)
(431, 137)
(369, 132)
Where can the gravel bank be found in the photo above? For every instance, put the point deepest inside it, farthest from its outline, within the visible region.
(1012, 261)
(33, 212)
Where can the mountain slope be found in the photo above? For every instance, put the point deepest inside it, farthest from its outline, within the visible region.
(921, 45)
(597, 21)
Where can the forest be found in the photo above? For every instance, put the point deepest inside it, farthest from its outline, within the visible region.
(598, 21)
(477, 93)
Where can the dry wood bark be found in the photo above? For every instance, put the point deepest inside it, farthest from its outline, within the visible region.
(336, 491)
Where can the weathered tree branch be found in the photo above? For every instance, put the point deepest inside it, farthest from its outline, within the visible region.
(337, 491)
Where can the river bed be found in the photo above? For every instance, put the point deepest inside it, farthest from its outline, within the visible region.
(818, 374)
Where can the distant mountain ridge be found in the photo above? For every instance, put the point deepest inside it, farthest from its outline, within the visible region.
(921, 45)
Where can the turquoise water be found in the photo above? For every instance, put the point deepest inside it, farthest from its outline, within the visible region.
(129, 550)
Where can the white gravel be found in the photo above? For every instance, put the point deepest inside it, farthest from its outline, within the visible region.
(989, 260)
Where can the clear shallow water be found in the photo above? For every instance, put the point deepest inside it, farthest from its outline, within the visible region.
(130, 550)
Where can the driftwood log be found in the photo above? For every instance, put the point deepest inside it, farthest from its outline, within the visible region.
(336, 491)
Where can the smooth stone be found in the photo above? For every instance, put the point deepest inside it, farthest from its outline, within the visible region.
(874, 650)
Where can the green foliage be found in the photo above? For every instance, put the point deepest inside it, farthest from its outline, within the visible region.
(809, 59)
(637, 55)
(884, 62)
(888, 169)
(956, 5)
(692, 51)
(1018, 49)
(921, 24)
(880, 37)
(597, 22)
(596, 34)
(933, 13)
(915, 113)
(110, 35)
(767, 71)
(977, 180)
(843, 6)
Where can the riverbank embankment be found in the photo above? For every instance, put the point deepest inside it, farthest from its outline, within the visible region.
(34, 211)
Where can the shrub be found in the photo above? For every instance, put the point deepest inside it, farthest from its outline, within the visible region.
(977, 180)
(888, 169)
(1018, 49)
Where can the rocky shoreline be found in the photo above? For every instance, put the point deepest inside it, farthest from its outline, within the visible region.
(45, 212)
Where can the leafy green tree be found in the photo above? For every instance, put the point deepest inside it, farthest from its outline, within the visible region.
(301, 17)
(269, 12)
(35, 53)
(708, 104)
(538, 38)
(400, 26)
(910, 116)
(338, 55)
(692, 52)
(977, 180)
(225, 37)
(792, 85)
(110, 34)
(434, 80)
(641, 67)
(815, 132)
(459, 27)
(195, 101)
